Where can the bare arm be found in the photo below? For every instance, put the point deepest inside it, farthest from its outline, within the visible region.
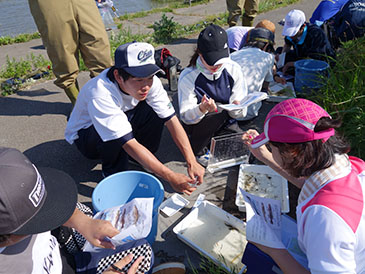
(178, 181)
(93, 230)
(265, 156)
(181, 140)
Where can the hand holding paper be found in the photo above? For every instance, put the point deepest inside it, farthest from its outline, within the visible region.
(133, 220)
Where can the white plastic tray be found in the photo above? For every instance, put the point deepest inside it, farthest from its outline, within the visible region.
(173, 204)
(275, 179)
(214, 233)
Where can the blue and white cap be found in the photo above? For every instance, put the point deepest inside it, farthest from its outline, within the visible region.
(137, 58)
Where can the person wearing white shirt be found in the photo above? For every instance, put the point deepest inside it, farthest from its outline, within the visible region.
(257, 64)
(121, 114)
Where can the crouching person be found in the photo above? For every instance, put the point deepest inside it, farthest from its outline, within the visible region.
(121, 114)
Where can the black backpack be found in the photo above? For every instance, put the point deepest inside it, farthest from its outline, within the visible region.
(170, 65)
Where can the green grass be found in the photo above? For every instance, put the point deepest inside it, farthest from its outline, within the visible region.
(344, 94)
(22, 69)
(125, 36)
(208, 266)
(21, 38)
(140, 14)
(266, 5)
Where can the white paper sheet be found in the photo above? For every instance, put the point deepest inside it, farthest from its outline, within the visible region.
(133, 220)
(263, 220)
(280, 63)
(250, 99)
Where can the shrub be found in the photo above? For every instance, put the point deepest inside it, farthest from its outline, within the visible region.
(165, 30)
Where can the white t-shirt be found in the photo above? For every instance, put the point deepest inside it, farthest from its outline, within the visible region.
(37, 254)
(102, 104)
(256, 65)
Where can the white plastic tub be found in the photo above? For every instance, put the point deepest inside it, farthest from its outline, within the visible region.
(214, 233)
(268, 184)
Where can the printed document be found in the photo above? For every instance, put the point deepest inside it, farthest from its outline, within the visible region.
(133, 220)
(250, 99)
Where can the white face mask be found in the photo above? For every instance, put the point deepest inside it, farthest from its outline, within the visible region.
(203, 69)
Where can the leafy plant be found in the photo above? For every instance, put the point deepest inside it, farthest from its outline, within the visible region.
(15, 68)
(165, 30)
(16, 73)
(344, 93)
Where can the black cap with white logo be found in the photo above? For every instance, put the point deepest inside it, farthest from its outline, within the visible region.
(213, 44)
(32, 200)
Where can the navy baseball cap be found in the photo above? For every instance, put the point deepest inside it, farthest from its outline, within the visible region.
(137, 58)
(261, 34)
(32, 200)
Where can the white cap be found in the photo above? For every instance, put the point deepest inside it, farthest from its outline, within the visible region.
(293, 21)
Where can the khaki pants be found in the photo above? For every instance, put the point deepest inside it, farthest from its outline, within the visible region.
(235, 9)
(68, 28)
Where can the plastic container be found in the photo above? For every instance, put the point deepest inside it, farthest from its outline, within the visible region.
(262, 172)
(310, 75)
(169, 268)
(215, 234)
(122, 187)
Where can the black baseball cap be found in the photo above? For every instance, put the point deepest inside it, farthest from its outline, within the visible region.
(32, 200)
(261, 34)
(213, 44)
(137, 58)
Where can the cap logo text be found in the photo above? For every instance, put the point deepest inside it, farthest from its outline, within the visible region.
(38, 191)
(144, 55)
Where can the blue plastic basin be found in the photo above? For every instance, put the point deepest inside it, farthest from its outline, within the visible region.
(123, 187)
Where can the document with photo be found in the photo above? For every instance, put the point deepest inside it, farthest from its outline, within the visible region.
(263, 218)
(133, 220)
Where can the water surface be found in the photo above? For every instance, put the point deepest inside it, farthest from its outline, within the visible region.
(15, 16)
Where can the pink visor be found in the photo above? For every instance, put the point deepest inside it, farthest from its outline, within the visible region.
(293, 121)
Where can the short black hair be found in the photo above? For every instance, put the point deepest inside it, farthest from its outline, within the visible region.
(125, 75)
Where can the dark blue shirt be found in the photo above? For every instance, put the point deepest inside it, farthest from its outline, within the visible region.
(315, 44)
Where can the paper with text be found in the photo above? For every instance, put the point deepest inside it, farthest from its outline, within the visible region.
(133, 220)
(263, 217)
